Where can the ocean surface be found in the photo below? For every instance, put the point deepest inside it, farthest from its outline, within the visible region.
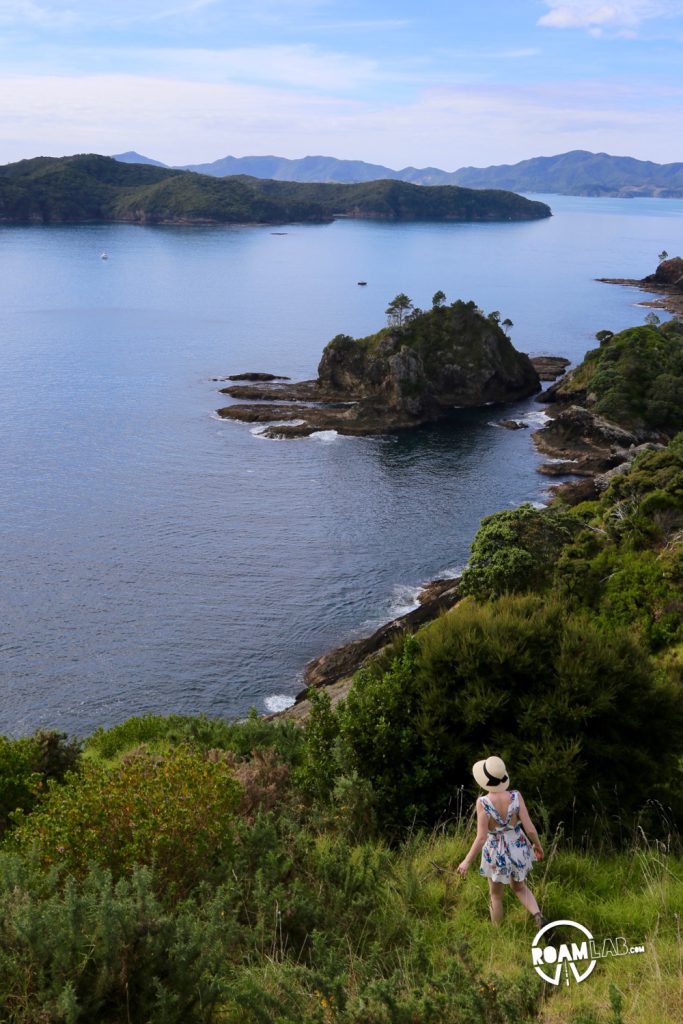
(157, 559)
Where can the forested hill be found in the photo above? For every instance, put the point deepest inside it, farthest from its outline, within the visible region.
(580, 173)
(98, 188)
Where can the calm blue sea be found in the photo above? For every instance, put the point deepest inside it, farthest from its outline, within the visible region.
(154, 558)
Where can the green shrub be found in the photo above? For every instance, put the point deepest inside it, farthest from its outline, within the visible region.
(26, 764)
(319, 767)
(199, 732)
(106, 952)
(515, 550)
(574, 707)
(175, 813)
(636, 377)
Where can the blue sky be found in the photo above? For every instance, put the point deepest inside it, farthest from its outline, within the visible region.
(436, 83)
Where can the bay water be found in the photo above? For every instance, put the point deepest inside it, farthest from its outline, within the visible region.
(157, 559)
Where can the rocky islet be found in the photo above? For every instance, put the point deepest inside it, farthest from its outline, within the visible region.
(406, 375)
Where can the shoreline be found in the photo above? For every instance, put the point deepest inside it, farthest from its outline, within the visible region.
(333, 670)
(666, 297)
(578, 444)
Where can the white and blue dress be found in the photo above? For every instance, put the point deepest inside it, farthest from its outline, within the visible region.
(506, 855)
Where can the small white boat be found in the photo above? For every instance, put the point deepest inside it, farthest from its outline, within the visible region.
(104, 256)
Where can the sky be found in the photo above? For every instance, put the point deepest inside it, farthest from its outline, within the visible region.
(440, 83)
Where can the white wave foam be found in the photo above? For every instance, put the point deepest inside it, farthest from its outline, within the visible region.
(536, 416)
(260, 430)
(278, 702)
(452, 574)
(404, 600)
(325, 435)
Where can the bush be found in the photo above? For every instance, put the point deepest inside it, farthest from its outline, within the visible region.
(175, 813)
(199, 732)
(26, 765)
(636, 377)
(101, 951)
(574, 707)
(515, 551)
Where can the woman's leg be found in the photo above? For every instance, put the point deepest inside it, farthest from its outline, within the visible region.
(525, 896)
(496, 894)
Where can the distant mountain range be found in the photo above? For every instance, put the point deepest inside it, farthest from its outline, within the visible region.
(95, 188)
(576, 173)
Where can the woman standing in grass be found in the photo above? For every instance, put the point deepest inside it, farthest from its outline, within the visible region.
(506, 852)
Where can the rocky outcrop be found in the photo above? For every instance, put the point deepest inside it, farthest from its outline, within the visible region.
(549, 367)
(580, 443)
(335, 669)
(406, 375)
(669, 274)
(667, 280)
(265, 377)
(513, 424)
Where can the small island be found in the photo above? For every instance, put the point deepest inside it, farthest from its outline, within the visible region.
(414, 371)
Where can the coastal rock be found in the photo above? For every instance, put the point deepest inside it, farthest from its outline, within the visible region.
(576, 429)
(256, 376)
(549, 367)
(603, 480)
(343, 661)
(573, 492)
(583, 444)
(668, 274)
(667, 280)
(513, 425)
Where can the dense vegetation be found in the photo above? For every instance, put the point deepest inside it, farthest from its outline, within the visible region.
(151, 885)
(634, 379)
(186, 869)
(566, 659)
(430, 331)
(91, 188)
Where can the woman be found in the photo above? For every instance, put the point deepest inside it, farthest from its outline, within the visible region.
(502, 821)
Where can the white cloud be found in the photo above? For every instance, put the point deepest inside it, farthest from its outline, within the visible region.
(622, 17)
(15, 13)
(363, 25)
(192, 122)
(92, 14)
(299, 66)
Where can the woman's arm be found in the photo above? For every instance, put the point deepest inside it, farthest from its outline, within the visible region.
(477, 845)
(528, 826)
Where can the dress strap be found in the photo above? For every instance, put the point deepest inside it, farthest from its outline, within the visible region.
(513, 806)
(491, 811)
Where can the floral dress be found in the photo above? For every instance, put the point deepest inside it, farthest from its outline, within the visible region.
(506, 855)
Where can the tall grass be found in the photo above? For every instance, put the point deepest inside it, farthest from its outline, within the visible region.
(427, 951)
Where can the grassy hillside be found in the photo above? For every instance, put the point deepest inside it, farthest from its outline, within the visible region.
(147, 885)
(181, 869)
(92, 188)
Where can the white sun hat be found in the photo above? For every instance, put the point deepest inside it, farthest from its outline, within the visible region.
(491, 774)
